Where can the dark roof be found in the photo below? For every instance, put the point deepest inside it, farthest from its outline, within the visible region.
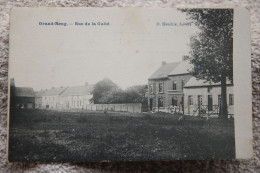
(164, 70)
(182, 68)
(54, 91)
(193, 82)
(24, 92)
(78, 90)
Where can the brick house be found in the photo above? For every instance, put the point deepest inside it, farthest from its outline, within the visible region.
(165, 86)
(172, 87)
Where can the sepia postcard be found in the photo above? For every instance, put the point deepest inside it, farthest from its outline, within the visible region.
(129, 84)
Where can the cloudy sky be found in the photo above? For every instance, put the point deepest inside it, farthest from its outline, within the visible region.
(127, 51)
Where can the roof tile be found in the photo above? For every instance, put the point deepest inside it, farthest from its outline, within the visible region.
(164, 70)
(24, 92)
(54, 91)
(193, 82)
(78, 90)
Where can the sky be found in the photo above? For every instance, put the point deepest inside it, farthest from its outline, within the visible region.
(127, 51)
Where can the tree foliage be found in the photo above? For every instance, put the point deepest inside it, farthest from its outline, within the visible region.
(106, 92)
(212, 48)
(103, 91)
(136, 94)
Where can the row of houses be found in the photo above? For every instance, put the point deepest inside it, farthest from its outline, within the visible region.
(54, 98)
(172, 86)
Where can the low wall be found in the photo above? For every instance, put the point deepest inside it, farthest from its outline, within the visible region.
(169, 109)
(128, 107)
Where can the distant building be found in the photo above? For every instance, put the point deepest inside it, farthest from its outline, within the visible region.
(204, 97)
(76, 97)
(38, 98)
(54, 98)
(51, 98)
(21, 97)
(165, 86)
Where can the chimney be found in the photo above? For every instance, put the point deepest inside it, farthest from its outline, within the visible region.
(185, 57)
(86, 83)
(163, 62)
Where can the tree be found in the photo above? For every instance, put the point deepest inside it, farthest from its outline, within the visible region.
(212, 48)
(106, 92)
(103, 91)
(136, 94)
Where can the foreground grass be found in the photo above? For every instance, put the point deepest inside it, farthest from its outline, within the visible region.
(39, 135)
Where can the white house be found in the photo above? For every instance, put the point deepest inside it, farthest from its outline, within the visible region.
(204, 97)
(51, 98)
(76, 97)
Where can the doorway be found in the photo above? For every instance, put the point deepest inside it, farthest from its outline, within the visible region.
(210, 105)
(151, 104)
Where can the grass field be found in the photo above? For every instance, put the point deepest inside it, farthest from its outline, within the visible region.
(40, 135)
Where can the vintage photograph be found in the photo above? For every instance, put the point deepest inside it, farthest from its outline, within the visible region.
(130, 84)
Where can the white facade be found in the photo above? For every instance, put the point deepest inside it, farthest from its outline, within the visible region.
(207, 99)
(52, 102)
(75, 101)
(67, 98)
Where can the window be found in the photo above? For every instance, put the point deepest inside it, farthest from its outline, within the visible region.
(154, 87)
(231, 99)
(210, 105)
(160, 87)
(182, 84)
(190, 100)
(174, 86)
(150, 88)
(160, 102)
(174, 102)
(219, 100)
(200, 100)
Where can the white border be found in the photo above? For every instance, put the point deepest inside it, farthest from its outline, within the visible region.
(242, 84)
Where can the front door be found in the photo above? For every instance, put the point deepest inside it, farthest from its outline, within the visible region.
(190, 104)
(174, 102)
(199, 103)
(151, 104)
(210, 105)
